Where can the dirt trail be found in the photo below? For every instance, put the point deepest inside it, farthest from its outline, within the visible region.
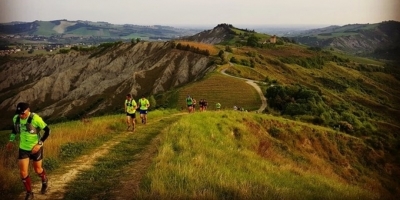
(258, 89)
(58, 181)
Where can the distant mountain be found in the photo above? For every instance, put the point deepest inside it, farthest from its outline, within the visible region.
(64, 31)
(381, 40)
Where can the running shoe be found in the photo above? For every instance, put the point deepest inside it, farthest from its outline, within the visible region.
(29, 196)
(44, 187)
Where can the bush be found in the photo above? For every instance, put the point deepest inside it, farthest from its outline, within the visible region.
(274, 132)
(64, 51)
(295, 100)
(233, 60)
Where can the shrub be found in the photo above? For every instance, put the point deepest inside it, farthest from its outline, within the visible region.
(64, 51)
(345, 127)
(274, 132)
(233, 60)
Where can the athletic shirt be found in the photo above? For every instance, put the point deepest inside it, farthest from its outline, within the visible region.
(189, 101)
(29, 140)
(143, 104)
(130, 106)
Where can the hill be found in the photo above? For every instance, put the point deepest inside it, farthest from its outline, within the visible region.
(94, 81)
(235, 155)
(90, 81)
(357, 97)
(71, 32)
(380, 40)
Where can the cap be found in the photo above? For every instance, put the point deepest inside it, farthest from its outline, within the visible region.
(21, 107)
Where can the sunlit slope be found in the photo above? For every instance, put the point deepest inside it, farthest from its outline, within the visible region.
(223, 89)
(239, 155)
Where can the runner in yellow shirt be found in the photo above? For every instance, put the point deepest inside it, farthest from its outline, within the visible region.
(28, 125)
(130, 110)
(144, 105)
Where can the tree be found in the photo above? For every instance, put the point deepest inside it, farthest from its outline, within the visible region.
(252, 41)
(234, 60)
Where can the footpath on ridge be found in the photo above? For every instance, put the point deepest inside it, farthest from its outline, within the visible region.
(59, 180)
(142, 160)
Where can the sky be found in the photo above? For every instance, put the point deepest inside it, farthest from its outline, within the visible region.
(204, 12)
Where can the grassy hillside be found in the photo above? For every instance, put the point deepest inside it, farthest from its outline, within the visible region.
(44, 28)
(225, 90)
(380, 40)
(231, 155)
(236, 155)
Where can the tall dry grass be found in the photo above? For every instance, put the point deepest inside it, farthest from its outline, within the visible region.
(58, 148)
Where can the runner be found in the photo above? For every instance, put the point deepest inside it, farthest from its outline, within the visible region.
(205, 105)
(144, 105)
(194, 104)
(28, 125)
(130, 110)
(189, 103)
(218, 106)
(201, 104)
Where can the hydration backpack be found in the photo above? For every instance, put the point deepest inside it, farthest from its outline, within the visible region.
(28, 125)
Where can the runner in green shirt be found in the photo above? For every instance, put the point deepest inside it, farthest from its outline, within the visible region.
(130, 110)
(28, 125)
(218, 106)
(144, 105)
(189, 103)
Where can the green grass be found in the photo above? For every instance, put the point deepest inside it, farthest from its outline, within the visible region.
(216, 159)
(45, 28)
(213, 155)
(86, 32)
(110, 169)
(67, 141)
(245, 72)
(357, 59)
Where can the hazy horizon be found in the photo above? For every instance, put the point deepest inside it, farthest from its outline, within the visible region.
(180, 13)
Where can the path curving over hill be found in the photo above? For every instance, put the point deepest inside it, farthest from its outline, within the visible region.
(252, 83)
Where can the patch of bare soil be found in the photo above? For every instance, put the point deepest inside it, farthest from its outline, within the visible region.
(62, 26)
